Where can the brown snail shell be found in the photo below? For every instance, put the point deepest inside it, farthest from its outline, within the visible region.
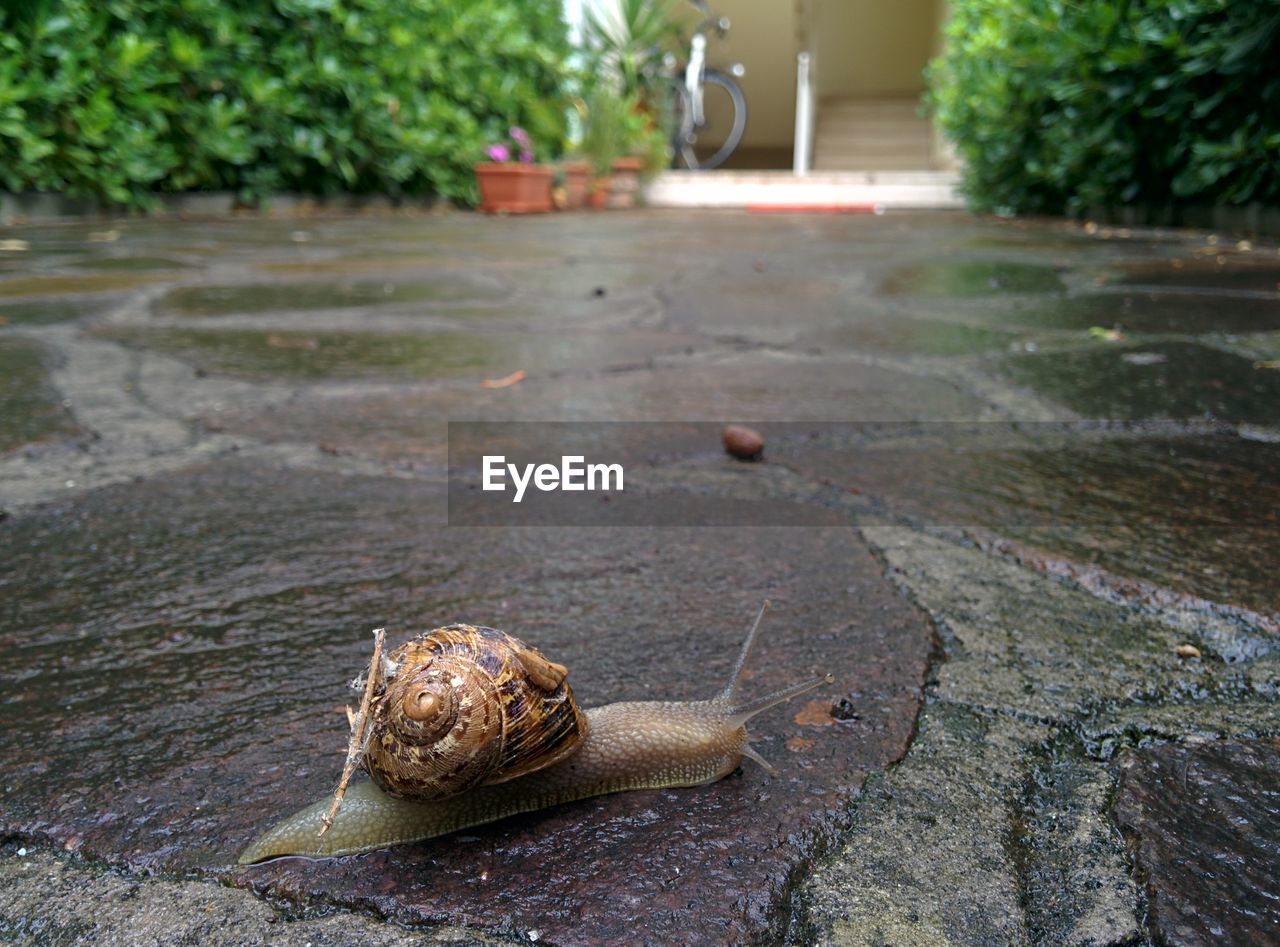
(466, 706)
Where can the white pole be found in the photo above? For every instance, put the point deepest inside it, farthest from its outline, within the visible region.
(802, 157)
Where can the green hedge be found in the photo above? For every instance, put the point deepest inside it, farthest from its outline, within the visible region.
(1063, 106)
(117, 99)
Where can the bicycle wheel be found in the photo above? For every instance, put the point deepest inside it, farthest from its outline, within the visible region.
(708, 145)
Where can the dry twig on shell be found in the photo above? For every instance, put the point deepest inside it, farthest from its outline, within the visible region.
(359, 728)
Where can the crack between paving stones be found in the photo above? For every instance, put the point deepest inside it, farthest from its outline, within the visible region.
(1071, 732)
(137, 391)
(1116, 589)
(1019, 845)
(792, 906)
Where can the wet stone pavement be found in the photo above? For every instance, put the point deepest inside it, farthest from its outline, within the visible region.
(1055, 649)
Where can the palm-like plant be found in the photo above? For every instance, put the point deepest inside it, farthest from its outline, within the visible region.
(629, 47)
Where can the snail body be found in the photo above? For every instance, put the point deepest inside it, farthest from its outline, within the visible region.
(616, 747)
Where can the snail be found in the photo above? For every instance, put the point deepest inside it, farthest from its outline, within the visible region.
(466, 725)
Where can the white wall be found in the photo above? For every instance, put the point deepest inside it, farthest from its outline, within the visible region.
(763, 38)
(874, 47)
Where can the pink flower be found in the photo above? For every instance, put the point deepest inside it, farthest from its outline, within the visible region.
(526, 156)
(520, 136)
(499, 153)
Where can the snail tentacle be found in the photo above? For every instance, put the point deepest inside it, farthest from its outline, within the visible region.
(730, 692)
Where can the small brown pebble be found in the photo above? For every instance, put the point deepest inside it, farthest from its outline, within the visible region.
(1187, 651)
(742, 442)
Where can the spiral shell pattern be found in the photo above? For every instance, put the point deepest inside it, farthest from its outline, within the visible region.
(468, 706)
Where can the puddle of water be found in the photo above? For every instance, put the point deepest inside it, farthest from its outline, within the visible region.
(57, 285)
(1148, 312)
(1188, 381)
(30, 409)
(1203, 274)
(971, 278)
(914, 337)
(268, 297)
(290, 354)
(141, 263)
(1054, 241)
(47, 311)
(382, 263)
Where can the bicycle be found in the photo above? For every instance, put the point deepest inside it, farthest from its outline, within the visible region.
(702, 100)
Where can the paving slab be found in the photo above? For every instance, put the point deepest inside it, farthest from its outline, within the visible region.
(1146, 500)
(1012, 732)
(1036, 460)
(927, 863)
(1171, 379)
(194, 679)
(53, 899)
(1204, 824)
(44, 311)
(33, 411)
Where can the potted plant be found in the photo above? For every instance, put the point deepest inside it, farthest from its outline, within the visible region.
(629, 111)
(513, 187)
(603, 131)
(624, 181)
(644, 151)
(628, 44)
(576, 180)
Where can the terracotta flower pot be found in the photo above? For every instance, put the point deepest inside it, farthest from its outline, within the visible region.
(510, 187)
(577, 183)
(624, 185)
(598, 197)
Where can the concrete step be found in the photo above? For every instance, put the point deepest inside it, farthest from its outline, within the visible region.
(826, 191)
(875, 132)
(870, 145)
(871, 134)
(857, 132)
(841, 162)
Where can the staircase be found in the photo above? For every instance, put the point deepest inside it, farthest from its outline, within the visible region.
(874, 134)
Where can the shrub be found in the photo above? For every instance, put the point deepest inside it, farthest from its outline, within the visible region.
(1057, 106)
(118, 98)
